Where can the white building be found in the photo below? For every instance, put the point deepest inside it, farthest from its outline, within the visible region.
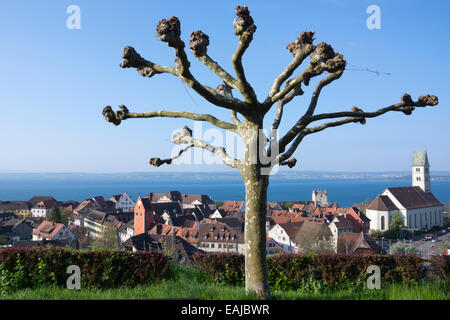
(418, 207)
(42, 208)
(284, 235)
(49, 230)
(320, 198)
(126, 203)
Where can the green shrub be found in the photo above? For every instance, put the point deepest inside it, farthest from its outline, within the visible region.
(441, 267)
(294, 272)
(99, 269)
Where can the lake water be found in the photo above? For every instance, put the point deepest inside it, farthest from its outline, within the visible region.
(218, 186)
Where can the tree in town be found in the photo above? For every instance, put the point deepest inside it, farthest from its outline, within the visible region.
(248, 113)
(106, 240)
(288, 205)
(313, 237)
(403, 248)
(395, 226)
(55, 215)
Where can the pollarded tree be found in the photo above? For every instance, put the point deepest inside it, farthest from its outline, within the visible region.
(247, 116)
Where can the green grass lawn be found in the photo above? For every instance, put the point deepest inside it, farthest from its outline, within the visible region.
(192, 284)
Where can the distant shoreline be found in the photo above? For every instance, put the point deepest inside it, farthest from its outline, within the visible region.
(287, 175)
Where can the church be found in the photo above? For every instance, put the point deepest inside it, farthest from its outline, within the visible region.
(417, 205)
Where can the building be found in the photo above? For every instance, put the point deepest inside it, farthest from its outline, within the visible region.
(360, 218)
(320, 198)
(19, 208)
(126, 231)
(22, 230)
(49, 230)
(421, 171)
(125, 203)
(343, 224)
(96, 221)
(296, 237)
(42, 208)
(209, 236)
(167, 244)
(16, 229)
(357, 243)
(233, 206)
(418, 207)
(284, 234)
(273, 247)
(143, 216)
(36, 199)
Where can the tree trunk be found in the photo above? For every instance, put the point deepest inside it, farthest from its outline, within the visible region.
(256, 183)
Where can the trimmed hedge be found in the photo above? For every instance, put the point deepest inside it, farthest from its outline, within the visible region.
(292, 272)
(441, 267)
(99, 269)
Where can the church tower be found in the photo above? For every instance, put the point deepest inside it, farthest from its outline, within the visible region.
(143, 215)
(421, 171)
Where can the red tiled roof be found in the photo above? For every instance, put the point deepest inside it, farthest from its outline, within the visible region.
(349, 243)
(382, 203)
(48, 229)
(414, 197)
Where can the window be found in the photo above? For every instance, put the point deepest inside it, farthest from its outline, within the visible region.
(212, 245)
(417, 169)
(382, 223)
(219, 246)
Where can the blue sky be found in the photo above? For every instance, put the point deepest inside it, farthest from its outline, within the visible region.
(55, 81)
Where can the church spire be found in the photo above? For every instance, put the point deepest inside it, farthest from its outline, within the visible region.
(421, 171)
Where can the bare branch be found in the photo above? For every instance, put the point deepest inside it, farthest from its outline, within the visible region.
(123, 114)
(301, 48)
(296, 91)
(323, 59)
(157, 161)
(234, 118)
(198, 45)
(290, 163)
(322, 83)
(244, 29)
(182, 137)
(132, 59)
(407, 106)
